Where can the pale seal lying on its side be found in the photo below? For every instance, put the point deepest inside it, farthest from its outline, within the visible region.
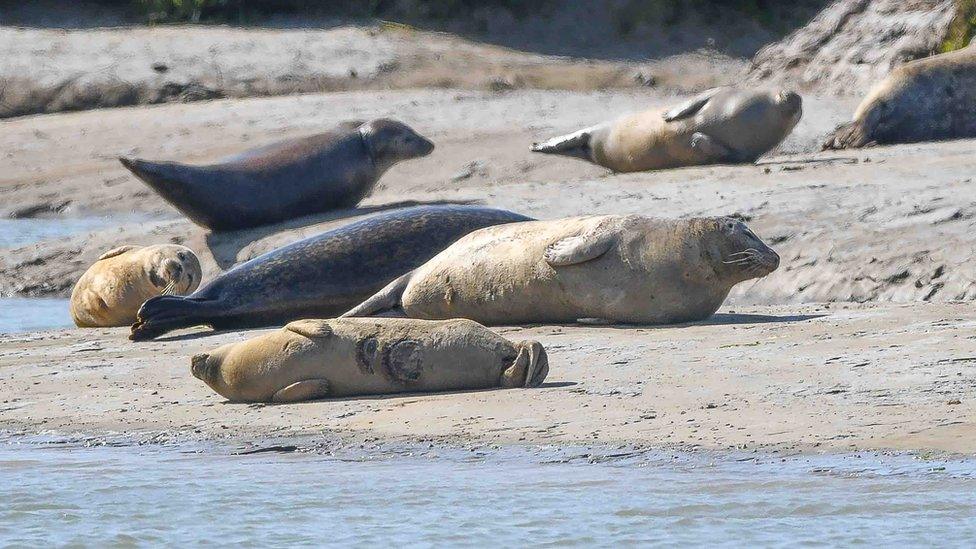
(629, 268)
(720, 126)
(314, 359)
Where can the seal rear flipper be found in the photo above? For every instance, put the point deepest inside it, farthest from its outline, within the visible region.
(576, 144)
(384, 300)
(166, 313)
(308, 389)
(530, 368)
(182, 186)
(579, 249)
(847, 136)
(690, 107)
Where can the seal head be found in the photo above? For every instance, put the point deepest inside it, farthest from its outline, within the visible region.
(389, 142)
(735, 251)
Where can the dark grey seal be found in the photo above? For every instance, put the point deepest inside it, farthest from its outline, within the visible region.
(321, 276)
(284, 180)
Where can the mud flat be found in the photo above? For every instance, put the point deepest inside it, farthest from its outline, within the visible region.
(810, 379)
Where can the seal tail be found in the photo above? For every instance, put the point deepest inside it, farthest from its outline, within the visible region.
(166, 313)
(384, 300)
(847, 136)
(576, 144)
(176, 183)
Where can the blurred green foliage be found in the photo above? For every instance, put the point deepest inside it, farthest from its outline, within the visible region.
(962, 28)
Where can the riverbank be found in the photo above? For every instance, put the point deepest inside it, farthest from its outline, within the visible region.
(803, 379)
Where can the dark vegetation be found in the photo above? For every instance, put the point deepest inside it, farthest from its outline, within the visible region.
(963, 27)
(631, 12)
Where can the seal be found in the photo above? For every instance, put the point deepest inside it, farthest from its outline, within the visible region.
(722, 125)
(315, 359)
(320, 276)
(929, 99)
(631, 269)
(112, 289)
(284, 180)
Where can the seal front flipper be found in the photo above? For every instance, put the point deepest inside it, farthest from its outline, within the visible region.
(847, 136)
(573, 250)
(116, 251)
(690, 107)
(530, 368)
(386, 299)
(308, 389)
(713, 150)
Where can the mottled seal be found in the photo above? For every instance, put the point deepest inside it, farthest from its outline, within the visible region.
(112, 289)
(287, 179)
(320, 276)
(925, 100)
(631, 269)
(314, 359)
(722, 125)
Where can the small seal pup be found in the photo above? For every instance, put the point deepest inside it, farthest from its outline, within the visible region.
(722, 125)
(112, 289)
(284, 180)
(314, 359)
(631, 269)
(320, 276)
(925, 100)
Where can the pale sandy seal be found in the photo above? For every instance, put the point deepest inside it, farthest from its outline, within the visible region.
(720, 126)
(925, 100)
(115, 286)
(314, 359)
(630, 269)
(320, 276)
(285, 180)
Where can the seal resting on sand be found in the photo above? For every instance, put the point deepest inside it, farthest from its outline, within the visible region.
(284, 180)
(320, 276)
(925, 100)
(314, 359)
(112, 289)
(720, 126)
(631, 268)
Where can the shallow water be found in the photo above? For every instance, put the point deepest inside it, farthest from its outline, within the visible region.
(22, 314)
(21, 232)
(147, 495)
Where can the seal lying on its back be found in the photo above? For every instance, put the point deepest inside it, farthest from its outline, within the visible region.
(619, 268)
(313, 359)
(285, 180)
(925, 100)
(112, 289)
(719, 126)
(320, 276)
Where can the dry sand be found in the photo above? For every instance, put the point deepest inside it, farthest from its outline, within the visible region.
(879, 225)
(807, 378)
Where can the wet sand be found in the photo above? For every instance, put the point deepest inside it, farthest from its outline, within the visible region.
(804, 378)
